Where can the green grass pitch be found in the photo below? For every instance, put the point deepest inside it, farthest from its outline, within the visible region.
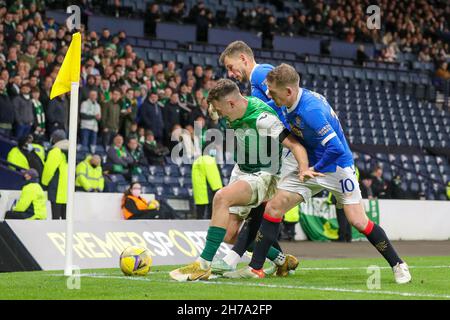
(314, 279)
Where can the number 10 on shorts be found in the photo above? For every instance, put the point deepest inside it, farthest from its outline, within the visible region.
(347, 185)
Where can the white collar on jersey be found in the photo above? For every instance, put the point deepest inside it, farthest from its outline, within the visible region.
(251, 73)
(297, 101)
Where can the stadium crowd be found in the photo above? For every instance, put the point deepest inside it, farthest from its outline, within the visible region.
(132, 107)
(419, 27)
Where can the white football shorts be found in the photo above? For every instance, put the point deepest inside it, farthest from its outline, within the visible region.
(343, 183)
(263, 184)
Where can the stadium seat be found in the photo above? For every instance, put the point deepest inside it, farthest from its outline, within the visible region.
(185, 170)
(156, 170)
(138, 178)
(154, 180)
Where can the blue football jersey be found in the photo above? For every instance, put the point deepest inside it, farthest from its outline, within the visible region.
(317, 127)
(259, 89)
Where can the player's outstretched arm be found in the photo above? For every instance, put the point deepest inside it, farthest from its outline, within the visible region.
(300, 155)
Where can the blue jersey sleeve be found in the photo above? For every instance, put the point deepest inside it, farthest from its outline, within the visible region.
(259, 90)
(317, 121)
(258, 82)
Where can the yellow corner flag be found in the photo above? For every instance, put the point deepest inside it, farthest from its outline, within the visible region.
(70, 69)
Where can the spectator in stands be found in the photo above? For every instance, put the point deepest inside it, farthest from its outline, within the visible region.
(268, 32)
(105, 93)
(86, 89)
(159, 84)
(366, 188)
(57, 114)
(23, 112)
(176, 13)
(6, 110)
(202, 24)
(153, 150)
(141, 136)
(32, 204)
(195, 11)
(128, 112)
(55, 174)
(106, 37)
(135, 207)
(290, 28)
(394, 190)
(137, 154)
(110, 120)
(119, 160)
(152, 17)
(14, 86)
(134, 132)
(90, 115)
(30, 56)
(39, 113)
(152, 117)
(361, 56)
(170, 71)
(172, 113)
(442, 72)
(379, 186)
(89, 175)
(45, 91)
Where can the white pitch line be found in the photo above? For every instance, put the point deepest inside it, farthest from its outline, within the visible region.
(248, 284)
(299, 269)
(364, 268)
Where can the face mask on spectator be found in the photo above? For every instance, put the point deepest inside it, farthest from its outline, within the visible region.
(29, 147)
(26, 96)
(136, 192)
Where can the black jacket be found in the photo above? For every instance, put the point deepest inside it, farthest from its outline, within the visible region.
(56, 114)
(151, 115)
(6, 109)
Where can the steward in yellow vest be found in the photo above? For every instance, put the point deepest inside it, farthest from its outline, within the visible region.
(204, 172)
(32, 204)
(89, 175)
(27, 155)
(55, 174)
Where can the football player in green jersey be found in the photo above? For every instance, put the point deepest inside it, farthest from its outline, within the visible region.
(254, 179)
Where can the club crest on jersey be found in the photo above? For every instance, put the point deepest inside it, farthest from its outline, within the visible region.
(297, 132)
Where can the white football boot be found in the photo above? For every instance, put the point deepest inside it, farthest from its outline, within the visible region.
(401, 273)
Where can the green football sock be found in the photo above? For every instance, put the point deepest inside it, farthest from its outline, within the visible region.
(214, 239)
(272, 255)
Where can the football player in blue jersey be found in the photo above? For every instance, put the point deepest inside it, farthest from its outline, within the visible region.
(239, 60)
(318, 129)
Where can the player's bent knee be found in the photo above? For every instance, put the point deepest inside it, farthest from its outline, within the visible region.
(273, 208)
(220, 198)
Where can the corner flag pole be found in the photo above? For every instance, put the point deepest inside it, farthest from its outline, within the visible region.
(73, 122)
(68, 79)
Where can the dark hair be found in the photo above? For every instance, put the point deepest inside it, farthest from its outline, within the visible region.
(128, 190)
(223, 88)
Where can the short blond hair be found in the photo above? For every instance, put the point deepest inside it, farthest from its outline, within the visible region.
(283, 75)
(234, 49)
(223, 88)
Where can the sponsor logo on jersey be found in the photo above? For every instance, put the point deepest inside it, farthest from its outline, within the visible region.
(322, 132)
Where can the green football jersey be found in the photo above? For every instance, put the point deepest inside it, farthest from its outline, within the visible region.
(257, 134)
